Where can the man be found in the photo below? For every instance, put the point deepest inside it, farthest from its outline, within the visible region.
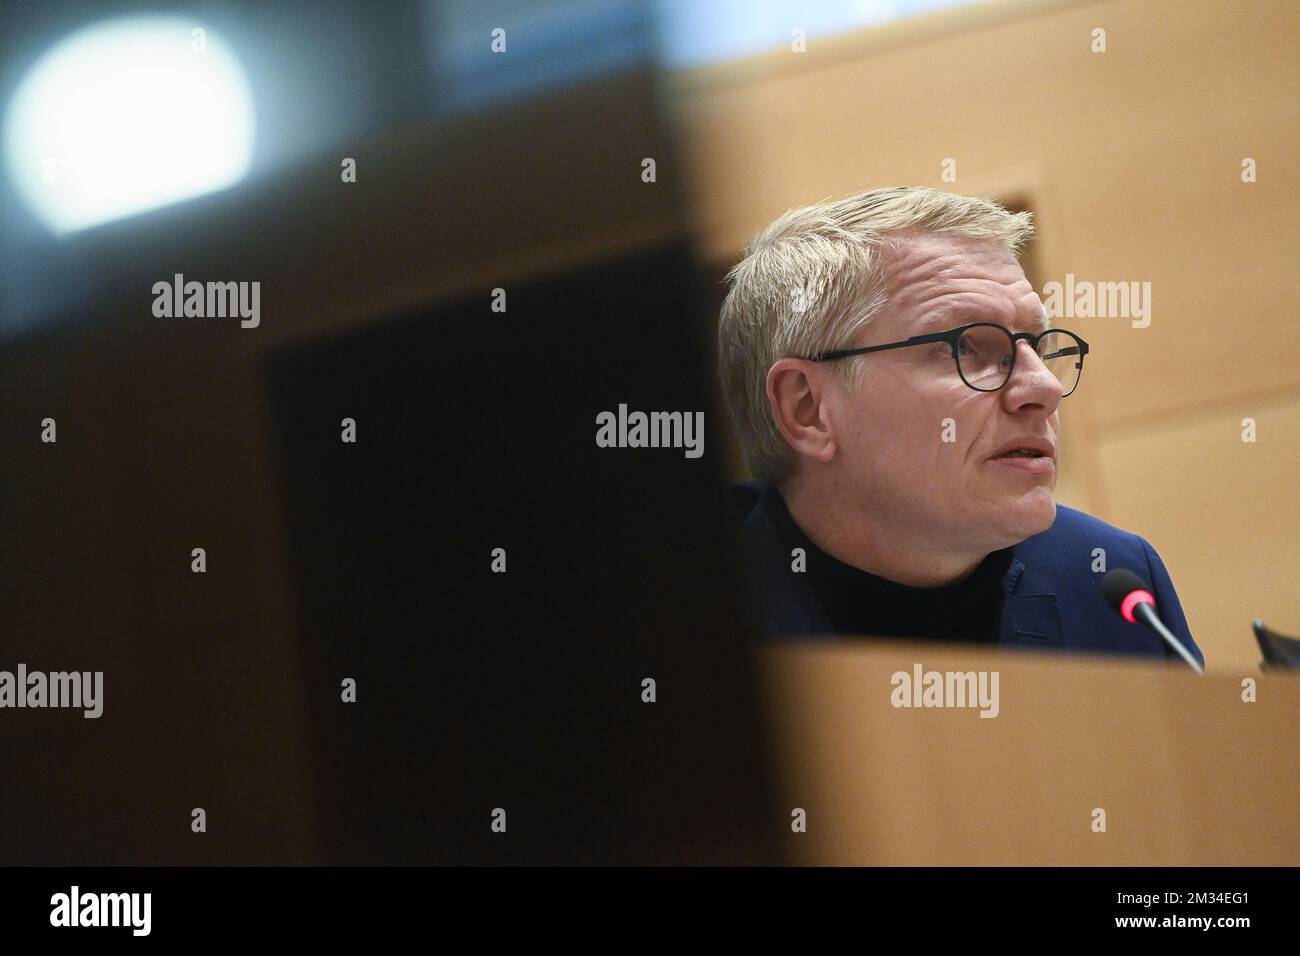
(905, 488)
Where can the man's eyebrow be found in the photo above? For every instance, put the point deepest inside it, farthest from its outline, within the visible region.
(935, 319)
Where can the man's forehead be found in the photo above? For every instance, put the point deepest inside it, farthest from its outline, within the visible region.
(932, 278)
(948, 262)
(944, 312)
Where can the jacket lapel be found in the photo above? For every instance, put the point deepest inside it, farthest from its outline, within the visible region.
(1028, 619)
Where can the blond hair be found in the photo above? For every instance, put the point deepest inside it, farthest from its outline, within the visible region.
(812, 280)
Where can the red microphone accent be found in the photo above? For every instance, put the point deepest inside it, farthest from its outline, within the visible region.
(1132, 599)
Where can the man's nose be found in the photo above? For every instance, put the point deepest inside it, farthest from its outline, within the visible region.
(1032, 382)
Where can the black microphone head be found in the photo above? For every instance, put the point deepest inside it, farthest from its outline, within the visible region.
(1119, 583)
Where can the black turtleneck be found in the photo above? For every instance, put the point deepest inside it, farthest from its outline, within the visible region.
(857, 602)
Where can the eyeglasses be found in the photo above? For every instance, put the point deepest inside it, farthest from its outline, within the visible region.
(985, 354)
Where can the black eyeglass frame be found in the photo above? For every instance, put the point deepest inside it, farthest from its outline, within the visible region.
(953, 336)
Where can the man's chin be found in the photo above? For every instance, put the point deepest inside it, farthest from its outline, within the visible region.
(1029, 516)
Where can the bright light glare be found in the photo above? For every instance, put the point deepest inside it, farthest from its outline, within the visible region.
(124, 116)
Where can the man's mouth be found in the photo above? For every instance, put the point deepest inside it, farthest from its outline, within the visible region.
(1026, 460)
(1026, 447)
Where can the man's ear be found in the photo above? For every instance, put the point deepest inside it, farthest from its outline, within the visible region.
(796, 392)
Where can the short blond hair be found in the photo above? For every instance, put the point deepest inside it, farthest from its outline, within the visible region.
(812, 280)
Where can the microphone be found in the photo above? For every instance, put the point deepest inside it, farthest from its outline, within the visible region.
(1128, 596)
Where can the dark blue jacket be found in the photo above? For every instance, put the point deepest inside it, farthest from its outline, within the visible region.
(1053, 598)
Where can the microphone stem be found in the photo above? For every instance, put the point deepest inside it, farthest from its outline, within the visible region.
(1148, 614)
